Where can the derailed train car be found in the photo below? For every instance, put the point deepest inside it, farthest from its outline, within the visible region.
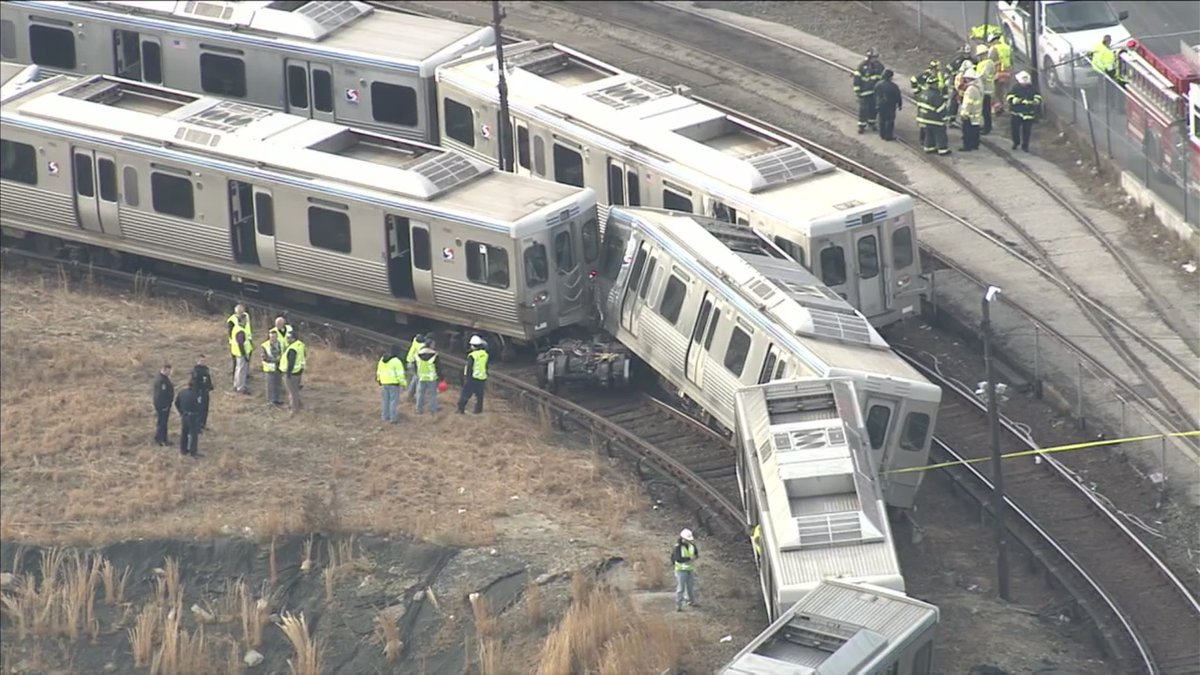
(335, 60)
(712, 316)
(277, 199)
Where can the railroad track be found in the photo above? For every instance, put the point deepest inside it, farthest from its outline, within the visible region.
(675, 467)
(725, 42)
(1131, 595)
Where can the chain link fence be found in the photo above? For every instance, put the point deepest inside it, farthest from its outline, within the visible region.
(1157, 157)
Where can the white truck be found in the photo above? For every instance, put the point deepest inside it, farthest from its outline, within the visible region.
(1066, 31)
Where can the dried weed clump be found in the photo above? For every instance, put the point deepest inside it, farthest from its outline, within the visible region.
(604, 633)
(307, 659)
(91, 474)
(60, 601)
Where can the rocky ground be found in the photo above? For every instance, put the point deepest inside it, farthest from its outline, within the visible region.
(397, 524)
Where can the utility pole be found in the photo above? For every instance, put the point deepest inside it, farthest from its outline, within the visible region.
(993, 409)
(1033, 44)
(504, 128)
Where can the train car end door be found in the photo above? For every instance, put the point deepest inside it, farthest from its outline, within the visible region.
(872, 300)
(568, 269)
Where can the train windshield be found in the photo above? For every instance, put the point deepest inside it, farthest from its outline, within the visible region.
(1069, 17)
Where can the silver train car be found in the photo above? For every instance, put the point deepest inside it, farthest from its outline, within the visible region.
(276, 199)
(710, 318)
(842, 628)
(334, 60)
(581, 122)
(809, 487)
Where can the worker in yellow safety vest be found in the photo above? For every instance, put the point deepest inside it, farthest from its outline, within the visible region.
(756, 541)
(410, 362)
(683, 557)
(271, 354)
(428, 384)
(295, 358)
(240, 348)
(1104, 60)
(985, 67)
(1002, 53)
(239, 311)
(389, 373)
(474, 375)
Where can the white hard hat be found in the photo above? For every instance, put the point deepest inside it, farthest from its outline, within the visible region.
(686, 535)
(1023, 77)
(970, 74)
(476, 341)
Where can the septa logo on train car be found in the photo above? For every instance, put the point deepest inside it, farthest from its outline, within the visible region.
(352, 95)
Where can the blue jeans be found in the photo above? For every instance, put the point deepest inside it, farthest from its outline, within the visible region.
(685, 584)
(427, 391)
(390, 394)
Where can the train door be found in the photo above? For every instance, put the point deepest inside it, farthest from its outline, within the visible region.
(569, 269)
(702, 332)
(773, 367)
(95, 175)
(871, 298)
(624, 188)
(136, 57)
(629, 298)
(309, 89)
(523, 149)
(878, 421)
(422, 259)
(264, 228)
(399, 257)
(242, 237)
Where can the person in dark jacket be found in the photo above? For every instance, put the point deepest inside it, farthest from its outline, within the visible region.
(202, 385)
(163, 395)
(683, 557)
(866, 76)
(187, 402)
(1023, 104)
(887, 101)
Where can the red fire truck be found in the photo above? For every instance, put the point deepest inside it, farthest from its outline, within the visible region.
(1162, 109)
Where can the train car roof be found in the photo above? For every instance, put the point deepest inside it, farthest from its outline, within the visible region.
(716, 150)
(350, 27)
(203, 128)
(837, 628)
(781, 297)
(823, 509)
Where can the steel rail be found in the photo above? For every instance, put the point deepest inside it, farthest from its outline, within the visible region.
(707, 500)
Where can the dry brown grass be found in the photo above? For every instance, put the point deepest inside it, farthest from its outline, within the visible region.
(534, 611)
(89, 473)
(307, 659)
(387, 633)
(604, 633)
(649, 569)
(62, 602)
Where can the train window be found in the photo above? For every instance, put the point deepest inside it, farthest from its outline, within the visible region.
(702, 321)
(672, 299)
(264, 214)
(394, 104)
(18, 162)
(222, 75)
(422, 255)
(614, 254)
(85, 180)
(676, 202)
(8, 39)
(539, 156)
(297, 86)
(791, 248)
(634, 188)
(737, 351)
(902, 247)
(172, 195)
(152, 62)
(564, 252)
(878, 417)
(647, 279)
(868, 257)
(322, 90)
(106, 171)
(590, 234)
(916, 427)
(53, 47)
(568, 166)
(616, 185)
(712, 329)
(779, 370)
(329, 229)
(130, 179)
(487, 265)
(764, 375)
(635, 274)
(833, 266)
(523, 146)
(537, 267)
(460, 122)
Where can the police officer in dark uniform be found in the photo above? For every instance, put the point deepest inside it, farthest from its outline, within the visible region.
(202, 385)
(887, 101)
(868, 74)
(164, 394)
(187, 402)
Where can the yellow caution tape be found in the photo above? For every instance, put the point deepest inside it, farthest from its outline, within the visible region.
(1047, 451)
